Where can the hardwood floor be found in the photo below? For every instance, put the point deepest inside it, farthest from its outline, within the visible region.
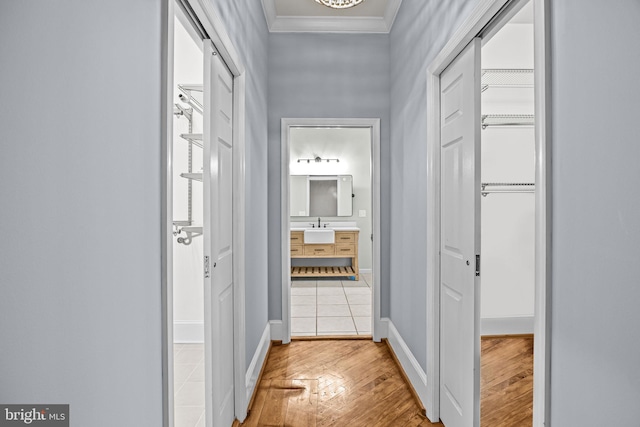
(356, 383)
(319, 383)
(506, 382)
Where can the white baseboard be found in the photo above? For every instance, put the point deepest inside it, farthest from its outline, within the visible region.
(188, 331)
(257, 361)
(410, 365)
(276, 330)
(365, 271)
(382, 329)
(516, 325)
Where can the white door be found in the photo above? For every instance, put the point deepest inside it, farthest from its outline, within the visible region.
(218, 238)
(460, 240)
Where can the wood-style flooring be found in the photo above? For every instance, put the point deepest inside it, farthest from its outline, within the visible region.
(506, 382)
(357, 383)
(333, 383)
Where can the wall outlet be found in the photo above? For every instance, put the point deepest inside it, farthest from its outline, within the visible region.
(362, 213)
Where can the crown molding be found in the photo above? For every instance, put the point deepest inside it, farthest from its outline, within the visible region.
(326, 24)
(393, 6)
(330, 24)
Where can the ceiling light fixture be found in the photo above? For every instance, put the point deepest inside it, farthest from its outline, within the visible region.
(340, 4)
(318, 159)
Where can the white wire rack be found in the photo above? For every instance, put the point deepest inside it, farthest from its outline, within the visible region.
(491, 120)
(507, 187)
(506, 78)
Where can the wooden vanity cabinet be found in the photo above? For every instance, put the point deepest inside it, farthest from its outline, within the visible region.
(345, 246)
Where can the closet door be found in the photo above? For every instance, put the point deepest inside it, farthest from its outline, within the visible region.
(460, 240)
(218, 238)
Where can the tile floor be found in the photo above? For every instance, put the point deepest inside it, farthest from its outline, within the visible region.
(331, 307)
(188, 382)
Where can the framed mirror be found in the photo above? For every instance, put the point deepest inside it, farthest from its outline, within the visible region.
(321, 195)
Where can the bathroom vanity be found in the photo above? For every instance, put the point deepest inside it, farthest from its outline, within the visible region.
(319, 249)
(325, 243)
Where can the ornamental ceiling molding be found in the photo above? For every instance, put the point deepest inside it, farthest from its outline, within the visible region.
(330, 24)
(339, 4)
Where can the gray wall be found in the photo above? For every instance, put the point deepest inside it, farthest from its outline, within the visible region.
(80, 218)
(419, 33)
(596, 211)
(246, 25)
(80, 189)
(596, 202)
(325, 75)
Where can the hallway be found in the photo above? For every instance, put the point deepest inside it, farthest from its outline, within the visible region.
(357, 383)
(333, 383)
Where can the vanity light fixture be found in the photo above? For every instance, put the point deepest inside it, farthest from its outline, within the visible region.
(340, 4)
(319, 159)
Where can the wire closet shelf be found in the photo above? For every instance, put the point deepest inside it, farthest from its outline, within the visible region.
(507, 78)
(507, 187)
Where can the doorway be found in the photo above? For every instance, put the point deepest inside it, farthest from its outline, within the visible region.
(203, 211)
(330, 190)
(188, 241)
(334, 276)
(455, 91)
(507, 226)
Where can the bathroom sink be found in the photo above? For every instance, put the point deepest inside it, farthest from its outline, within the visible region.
(319, 235)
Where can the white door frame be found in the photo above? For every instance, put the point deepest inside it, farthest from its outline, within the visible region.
(217, 33)
(286, 125)
(480, 17)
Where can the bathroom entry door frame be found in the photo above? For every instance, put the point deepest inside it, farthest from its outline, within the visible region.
(209, 25)
(286, 125)
(491, 14)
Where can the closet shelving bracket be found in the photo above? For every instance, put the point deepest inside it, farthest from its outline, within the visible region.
(179, 110)
(194, 138)
(185, 231)
(192, 176)
(191, 87)
(187, 97)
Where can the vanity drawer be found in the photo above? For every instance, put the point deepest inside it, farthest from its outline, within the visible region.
(319, 250)
(297, 250)
(345, 249)
(297, 237)
(345, 237)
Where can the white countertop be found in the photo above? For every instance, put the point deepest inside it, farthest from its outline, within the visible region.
(327, 228)
(337, 226)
